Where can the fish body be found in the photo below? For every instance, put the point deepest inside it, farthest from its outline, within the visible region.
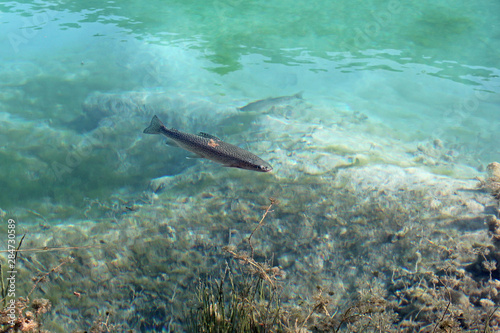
(210, 147)
(265, 104)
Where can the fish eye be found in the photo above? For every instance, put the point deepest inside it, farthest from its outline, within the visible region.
(263, 167)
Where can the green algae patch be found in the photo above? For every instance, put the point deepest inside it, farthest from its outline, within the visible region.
(439, 25)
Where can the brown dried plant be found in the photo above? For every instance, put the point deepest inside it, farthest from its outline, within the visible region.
(263, 270)
(43, 277)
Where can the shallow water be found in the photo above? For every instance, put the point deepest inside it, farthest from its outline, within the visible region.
(425, 72)
(385, 84)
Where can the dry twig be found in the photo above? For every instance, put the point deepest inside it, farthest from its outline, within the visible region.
(261, 223)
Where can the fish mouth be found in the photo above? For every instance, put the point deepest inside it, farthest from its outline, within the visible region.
(265, 168)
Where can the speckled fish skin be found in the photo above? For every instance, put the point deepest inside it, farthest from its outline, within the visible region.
(211, 147)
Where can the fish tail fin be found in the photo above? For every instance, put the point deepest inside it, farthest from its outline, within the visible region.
(155, 126)
(298, 95)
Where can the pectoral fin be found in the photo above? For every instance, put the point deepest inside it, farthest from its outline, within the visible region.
(193, 155)
(171, 143)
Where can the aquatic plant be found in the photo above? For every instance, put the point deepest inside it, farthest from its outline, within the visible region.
(4, 290)
(243, 300)
(23, 314)
(236, 303)
(102, 324)
(26, 316)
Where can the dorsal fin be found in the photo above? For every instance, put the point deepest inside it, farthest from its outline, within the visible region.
(209, 136)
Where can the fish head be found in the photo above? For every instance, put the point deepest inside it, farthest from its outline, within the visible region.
(254, 165)
(265, 167)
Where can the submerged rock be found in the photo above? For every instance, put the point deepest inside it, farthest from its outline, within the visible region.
(492, 182)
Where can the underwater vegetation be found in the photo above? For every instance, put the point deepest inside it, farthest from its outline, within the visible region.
(24, 314)
(248, 302)
(368, 235)
(28, 315)
(361, 256)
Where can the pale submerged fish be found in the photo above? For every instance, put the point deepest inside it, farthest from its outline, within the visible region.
(265, 104)
(210, 147)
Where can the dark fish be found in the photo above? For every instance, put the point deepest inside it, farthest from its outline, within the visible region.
(265, 104)
(210, 147)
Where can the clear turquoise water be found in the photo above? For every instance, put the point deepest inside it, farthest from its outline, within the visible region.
(424, 70)
(415, 71)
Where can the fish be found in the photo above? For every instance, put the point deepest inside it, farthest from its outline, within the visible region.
(210, 147)
(265, 104)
